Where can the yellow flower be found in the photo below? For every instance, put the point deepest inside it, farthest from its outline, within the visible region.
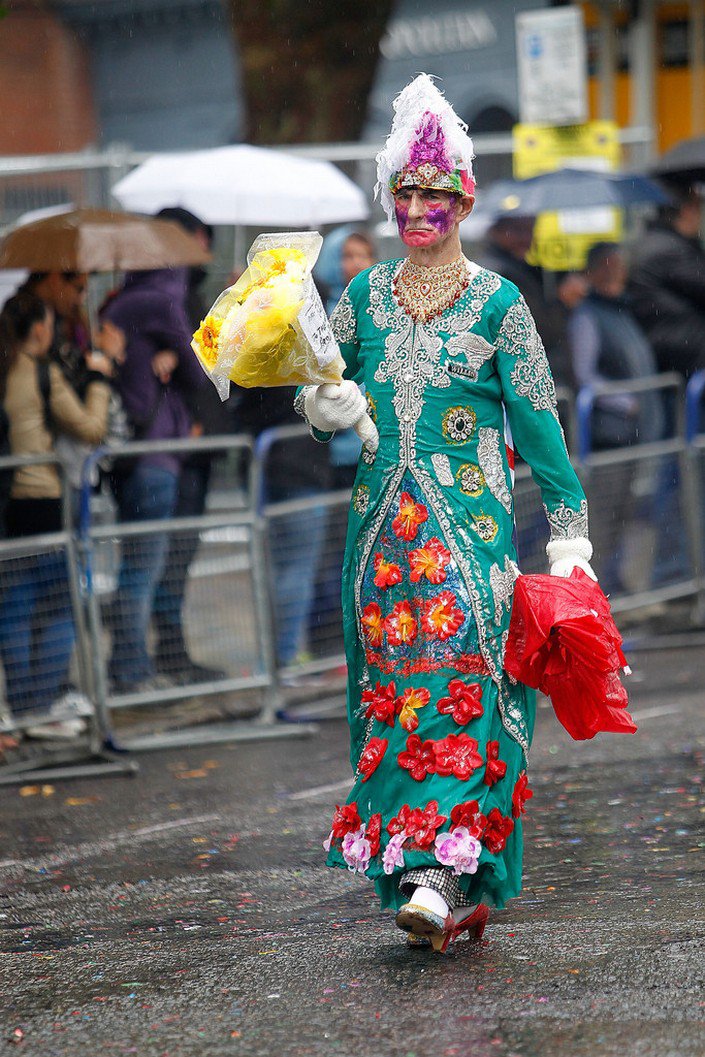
(205, 341)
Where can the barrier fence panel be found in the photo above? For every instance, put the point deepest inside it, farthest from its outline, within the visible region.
(644, 521)
(305, 541)
(178, 614)
(42, 649)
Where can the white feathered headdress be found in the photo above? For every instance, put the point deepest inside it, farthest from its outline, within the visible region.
(428, 145)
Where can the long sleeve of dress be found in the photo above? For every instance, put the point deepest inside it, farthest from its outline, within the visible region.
(530, 401)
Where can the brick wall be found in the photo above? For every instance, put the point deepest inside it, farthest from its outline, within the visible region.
(46, 100)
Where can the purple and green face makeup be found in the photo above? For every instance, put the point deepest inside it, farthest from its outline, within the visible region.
(424, 216)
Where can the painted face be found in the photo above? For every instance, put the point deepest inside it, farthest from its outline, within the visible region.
(424, 216)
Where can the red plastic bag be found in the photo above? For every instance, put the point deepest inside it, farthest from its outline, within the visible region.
(564, 642)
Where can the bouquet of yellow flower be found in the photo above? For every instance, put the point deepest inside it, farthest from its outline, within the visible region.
(270, 328)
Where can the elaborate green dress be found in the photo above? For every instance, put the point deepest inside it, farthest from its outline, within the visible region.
(439, 732)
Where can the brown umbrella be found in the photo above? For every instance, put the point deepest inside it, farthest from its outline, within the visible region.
(95, 240)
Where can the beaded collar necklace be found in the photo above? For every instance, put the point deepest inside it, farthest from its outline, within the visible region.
(424, 293)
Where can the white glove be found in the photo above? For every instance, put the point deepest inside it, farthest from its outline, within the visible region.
(566, 555)
(331, 407)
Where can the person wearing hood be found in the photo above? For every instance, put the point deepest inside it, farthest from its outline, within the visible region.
(158, 372)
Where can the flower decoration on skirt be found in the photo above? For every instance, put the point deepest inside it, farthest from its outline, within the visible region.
(372, 756)
(410, 516)
(464, 702)
(458, 849)
(429, 561)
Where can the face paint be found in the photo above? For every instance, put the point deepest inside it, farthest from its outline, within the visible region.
(429, 224)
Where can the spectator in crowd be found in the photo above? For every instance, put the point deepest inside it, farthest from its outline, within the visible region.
(158, 372)
(571, 288)
(294, 470)
(667, 284)
(209, 416)
(36, 626)
(608, 345)
(65, 293)
(507, 246)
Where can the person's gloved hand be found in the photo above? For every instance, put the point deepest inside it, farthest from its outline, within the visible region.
(332, 407)
(566, 555)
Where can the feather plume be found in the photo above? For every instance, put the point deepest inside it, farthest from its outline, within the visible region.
(425, 128)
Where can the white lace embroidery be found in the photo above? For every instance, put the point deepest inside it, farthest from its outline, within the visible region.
(566, 523)
(502, 586)
(441, 464)
(413, 351)
(489, 456)
(530, 376)
(343, 320)
(475, 350)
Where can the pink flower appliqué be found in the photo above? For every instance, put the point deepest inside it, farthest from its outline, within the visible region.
(459, 850)
(356, 850)
(393, 856)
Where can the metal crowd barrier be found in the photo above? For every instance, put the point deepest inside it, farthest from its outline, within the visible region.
(224, 619)
(644, 521)
(695, 435)
(305, 542)
(40, 612)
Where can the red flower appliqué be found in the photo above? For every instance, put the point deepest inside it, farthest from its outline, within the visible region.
(345, 819)
(401, 625)
(470, 816)
(456, 755)
(410, 516)
(372, 757)
(422, 825)
(373, 833)
(441, 617)
(419, 758)
(429, 561)
(373, 624)
(386, 573)
(497, 830)
(398, 823)
(381, 703)
(495, 768)
(521, 794)
(464, 703)
(410, 700)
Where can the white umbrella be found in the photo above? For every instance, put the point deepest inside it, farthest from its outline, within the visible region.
(244, 185)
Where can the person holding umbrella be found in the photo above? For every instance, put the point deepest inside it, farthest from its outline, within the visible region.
(439, 732)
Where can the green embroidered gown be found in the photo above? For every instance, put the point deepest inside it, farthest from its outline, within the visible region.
(439, 733)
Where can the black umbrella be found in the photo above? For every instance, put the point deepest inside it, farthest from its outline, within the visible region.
(685, 162)
(567, 189)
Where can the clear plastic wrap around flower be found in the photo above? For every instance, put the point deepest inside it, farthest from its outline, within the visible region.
(270, 327)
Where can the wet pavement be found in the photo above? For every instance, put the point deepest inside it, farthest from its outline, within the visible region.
(186, 912)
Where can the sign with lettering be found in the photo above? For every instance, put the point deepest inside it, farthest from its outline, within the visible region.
(552, 66)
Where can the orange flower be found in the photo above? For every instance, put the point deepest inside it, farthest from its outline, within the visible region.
(386, 573)
(407, 704)
(429, 561)
(441, 617)
(401, 626)
(205, 340)
(410, 516)
(373, 624)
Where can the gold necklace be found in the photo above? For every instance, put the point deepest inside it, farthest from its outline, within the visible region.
(425, 293)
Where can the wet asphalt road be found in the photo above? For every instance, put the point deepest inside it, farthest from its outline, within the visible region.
(187, 912)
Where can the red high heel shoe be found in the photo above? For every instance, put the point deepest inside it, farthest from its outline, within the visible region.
(473, 924)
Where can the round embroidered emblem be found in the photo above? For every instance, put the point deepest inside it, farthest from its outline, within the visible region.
(459, 424)
(361, 499)
(485, 526)
(471, 479)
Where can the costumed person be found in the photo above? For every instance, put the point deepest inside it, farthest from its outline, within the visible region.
(439, 732)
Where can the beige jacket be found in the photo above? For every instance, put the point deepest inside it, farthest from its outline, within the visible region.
(28, 433)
